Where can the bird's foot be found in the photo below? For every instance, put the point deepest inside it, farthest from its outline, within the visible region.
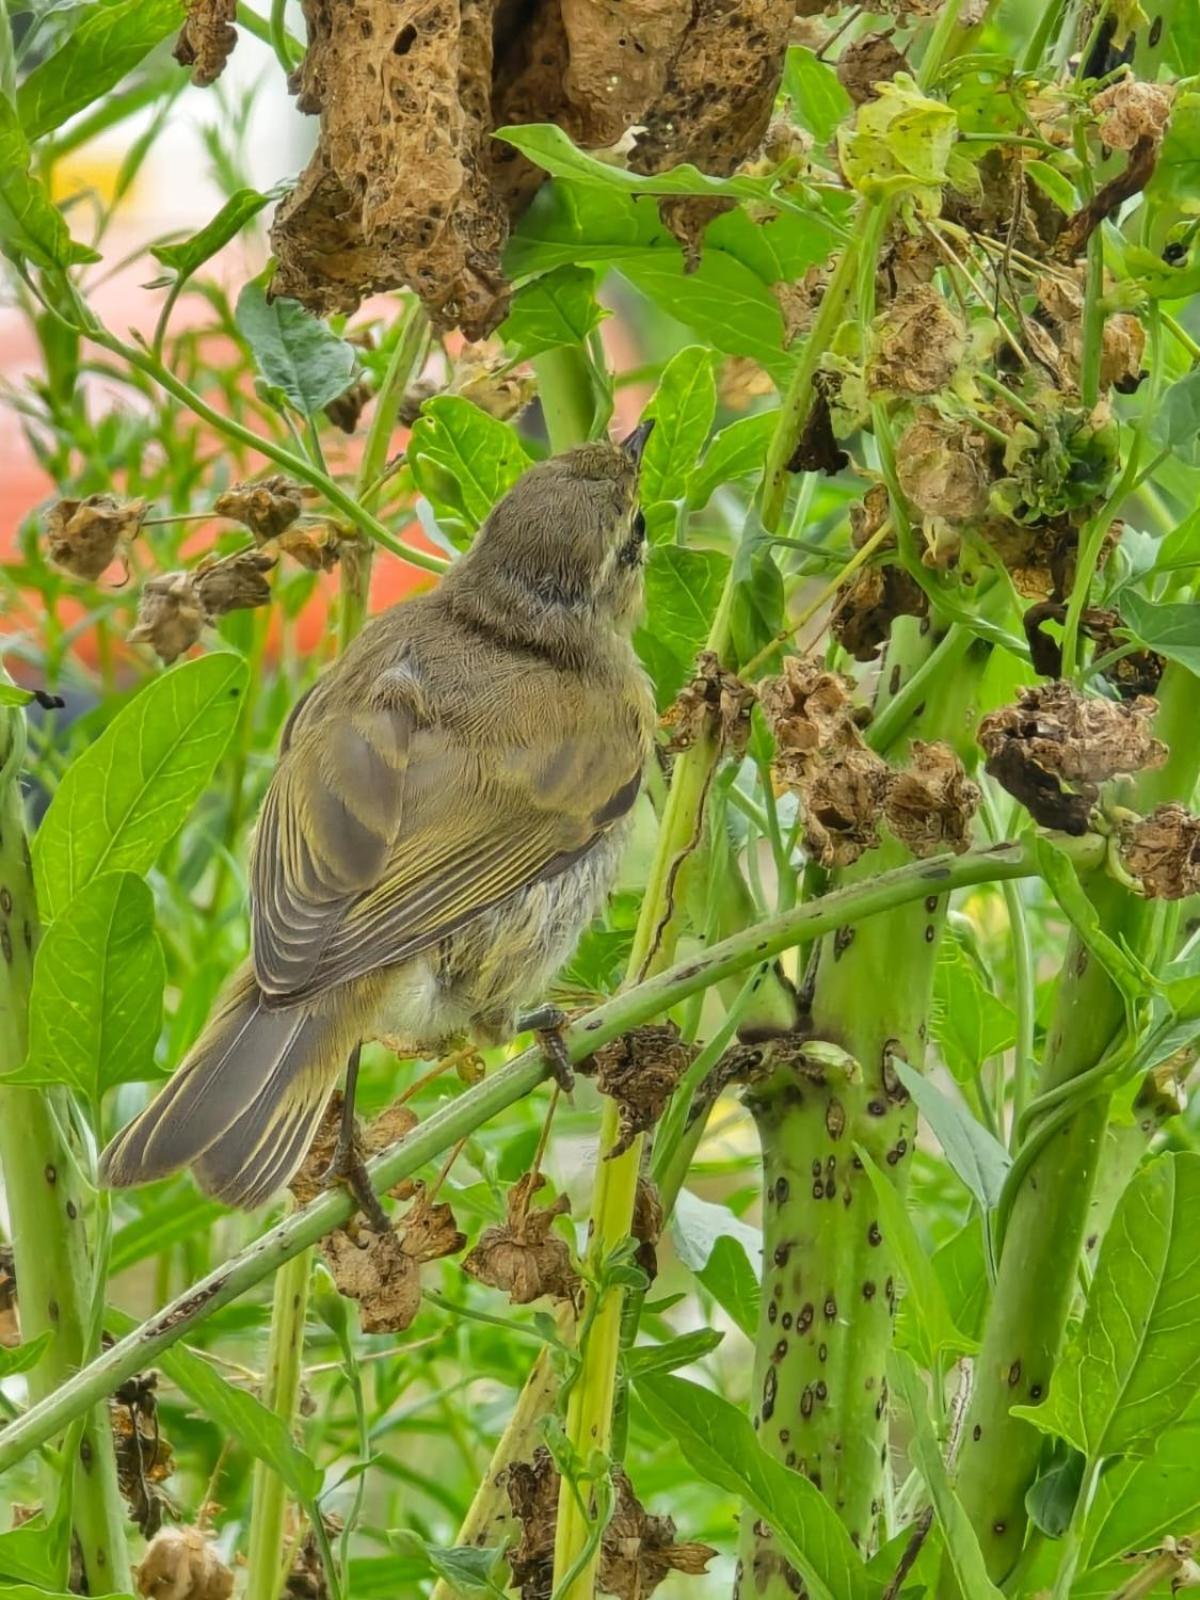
(547, 1023)
(348, 1167)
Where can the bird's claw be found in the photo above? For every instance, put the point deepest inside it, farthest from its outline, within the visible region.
(348, 1168)
(547, 1024)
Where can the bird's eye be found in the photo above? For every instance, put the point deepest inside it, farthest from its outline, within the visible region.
(638, 526)
(631, 552)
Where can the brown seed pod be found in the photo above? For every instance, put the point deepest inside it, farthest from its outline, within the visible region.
(867, 61)
(1163, 852)
(640, 1071)
(171, 616)
(521, 1255)
(84, 537)
(382, 1270)
(235, 582)
(265, 505)
(918, 344)
(181, 1564)
(207, 39)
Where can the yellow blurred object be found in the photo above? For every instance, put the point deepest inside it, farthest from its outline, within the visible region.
(80, 171)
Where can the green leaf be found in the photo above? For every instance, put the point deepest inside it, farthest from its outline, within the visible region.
(1176, 176)
(128, 793)
(1139, 1502)
(22, 1357)
(757, 614)
(962, 1547)
(962, 1272)
(234, 1411)
(1176, 420)
(718, 1442)
(900, 141)
(978, 1158)
(733, 453)
(467, 1569)
(1134, 1363)
(1055, 184)
(722, 300)
(96, 1006)
(932, 1322)
(10, 695)
(167, 1220)
(296, 352)
(31, 225)
(463, 461)
(189, 255)
(970, 1023)
(556, 309)
(108, 39)
(683, 589)
(683, 407)
(819, 103)
(1125, 970)
(1173, 630)
(672, 1353)
(25, 1591)
(723, 1252)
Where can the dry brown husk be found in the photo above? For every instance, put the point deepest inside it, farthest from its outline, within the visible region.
(867, 61)
(714, 700)
(264, 505)
(1162, 851)
(522, 1255)
(637, 1550)
(207, 39)
(181, 1564)
(919, 344)
(942, 467)
(382, 1270)
(84, 537)
(931, 802)
(407, 185)
(867, 604)
(640, 1071)
(1054, 748)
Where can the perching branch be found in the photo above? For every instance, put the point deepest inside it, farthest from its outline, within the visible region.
(478, 1105)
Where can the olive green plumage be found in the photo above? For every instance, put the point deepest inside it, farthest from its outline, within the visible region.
(446, 816)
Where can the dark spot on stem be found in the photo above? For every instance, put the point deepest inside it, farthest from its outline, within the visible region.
(830, 1307)
(868, 1290)
(874, 1237)
(977, 1432)
(1014, 1374)
(770, 1386)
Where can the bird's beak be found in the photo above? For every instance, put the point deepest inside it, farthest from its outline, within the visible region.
(635, 444)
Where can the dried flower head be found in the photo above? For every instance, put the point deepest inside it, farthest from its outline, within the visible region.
(867, 604)
(84, 537)
(181, 1564)
(866, 62)
(713, 699)
(207, 39)
(382, 1270)
(1055, 746)
(266, 506)
(171, 616)
(640, 1071)
(1163, 852)
(346, 408)
(235, 582)
(1130, 110)
(942, 467)
(931, 802)
(918, 344)
(522, 1255)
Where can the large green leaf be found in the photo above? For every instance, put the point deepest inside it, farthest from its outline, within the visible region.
(962, 1547)
(1176, 176)
(96, 1006)
(31, 225)
(683, 407)
(188, 255)
(819, 102)
(1126, 972)
(969, 1022)
(297, 353)
(1176, 420)
(463, 461)
(1172, 630)
(168, 1219)
(723, 1252)
(718, 1442)
(734, 452)
(108, 40)
(1140, 1502)
(931, 1320)
(128, 793)
(234, 1411)
(672, 1353)
(556, 309)
(683, 589)
(977, 1156)
(1134, 1364)
(469, 1571)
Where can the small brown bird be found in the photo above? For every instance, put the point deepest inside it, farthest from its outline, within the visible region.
(447, 815)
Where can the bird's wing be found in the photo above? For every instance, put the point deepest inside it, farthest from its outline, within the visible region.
(380, 836)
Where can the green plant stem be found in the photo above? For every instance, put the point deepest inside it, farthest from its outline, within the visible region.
(1049, 1213)
(46, 1208)
(281, 40)
(867, 229)
(281, 1390)
(406, 360)
(630, 1008)
(939, 43)
(564, 382)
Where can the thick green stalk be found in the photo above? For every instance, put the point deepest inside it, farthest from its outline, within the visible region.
(285, 1352)
(1048, 1222)
(565, 390)
(826, 1322)
(513, 1082)
(46, 1207)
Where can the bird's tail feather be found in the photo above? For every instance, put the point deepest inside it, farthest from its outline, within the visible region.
(243, 1107)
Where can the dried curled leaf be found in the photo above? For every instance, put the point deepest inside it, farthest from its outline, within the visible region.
(1163, 852)
(523, 1256)
(640, 1070)
(181, 1564)
(266, 506)
(1054, 747)
(387, 1129)
(637, 1551)
(171, 617)
(10, 1330)
(820, 755)
(868, 515)
(931, 802)
(207, 39)
(741, 381)
(1129, 110)
(647, 1225)
(306, 1579)
(714, 699)
(344, 411)
(942, 467)
(867, 61)
(484, 376)
(315, 546)
(83, 537)
(1041, 561)
(918, 344)
(1132, 675)
(382, 1270)
(144, 1455)
(867, 604)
